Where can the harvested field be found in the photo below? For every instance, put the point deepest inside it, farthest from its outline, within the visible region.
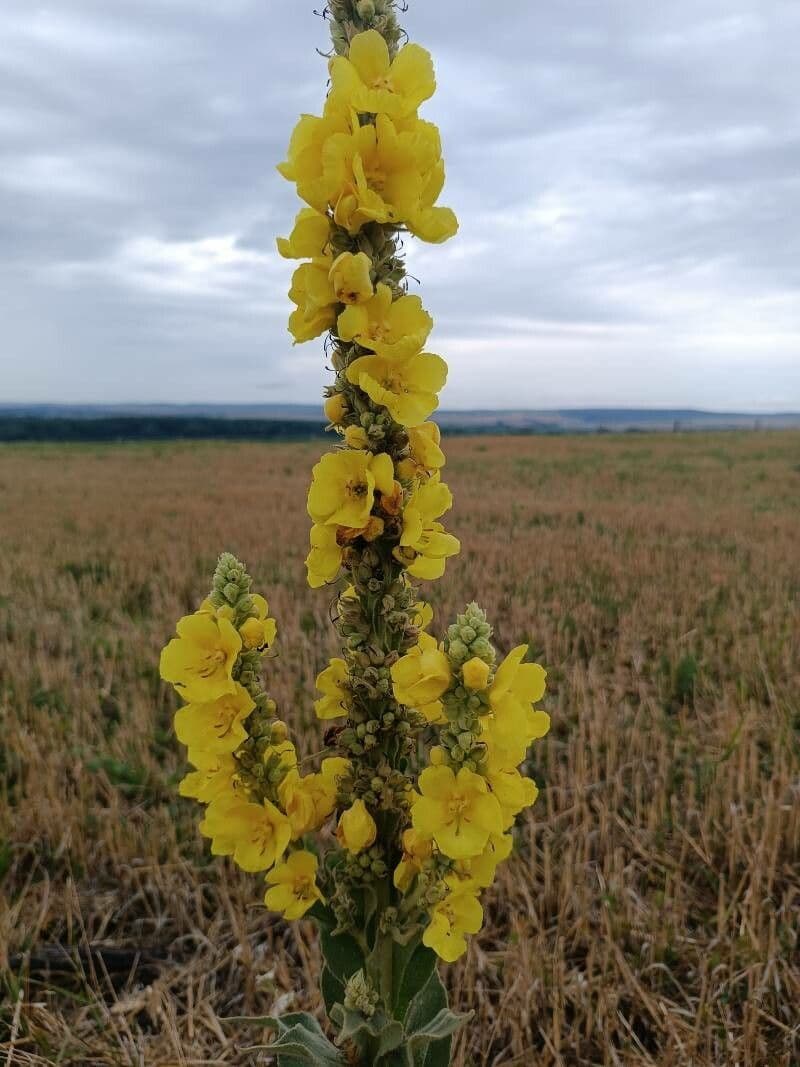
(651, 913)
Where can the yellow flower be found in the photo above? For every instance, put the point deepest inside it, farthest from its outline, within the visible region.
(356, 437)
(304, 162)
(480, 871)
(258, 833)
(309, 238)
(216, 727)
(424, 544)
(282, 754)
(408, 389)
(334, 768)
(350, 278)
(308, 800)
(458, 914)
(457, 811)
(224, 611)
(387, 173)
(333, 684)
(325, 558)
(298, 803)
(392, 328)
(199, 661)
(214, 778)
(513, 790)
(476, 673)
(294, 886)
(356, 830)
(416, 849)
(422, 615)
(313, 293)
(514, 724)
(336, 409)
(259, 630)
(425, 455)
(369, 81)
(343, 487)
(422, 675)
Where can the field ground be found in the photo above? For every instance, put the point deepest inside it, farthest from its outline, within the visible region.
(650, 914)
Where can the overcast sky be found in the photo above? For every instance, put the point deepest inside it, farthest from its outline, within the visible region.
(626, 173)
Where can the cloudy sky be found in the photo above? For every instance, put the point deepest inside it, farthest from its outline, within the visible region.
(627, 176)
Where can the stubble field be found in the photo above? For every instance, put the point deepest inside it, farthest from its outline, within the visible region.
(650, 913)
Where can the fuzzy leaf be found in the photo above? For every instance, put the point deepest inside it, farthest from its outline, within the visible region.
(332, 989)
(414, 965)
(300, 1041)
(379, 1034)
(341, 953)
(426, 1004)
(443, 1025)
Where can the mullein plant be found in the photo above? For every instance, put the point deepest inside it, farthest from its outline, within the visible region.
(390, 843)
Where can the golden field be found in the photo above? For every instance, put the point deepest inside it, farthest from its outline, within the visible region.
(651, 912)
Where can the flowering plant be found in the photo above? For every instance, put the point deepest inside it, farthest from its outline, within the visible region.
(425, 739)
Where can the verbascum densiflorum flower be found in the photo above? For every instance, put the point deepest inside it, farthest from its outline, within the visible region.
(303, 164)
(425, 546)
(344, 485)
(215, 777)
(199, 661)
(513, 790)
(514, 723)
(416, 850)
(408, 388)
(350, 277)
(460, 913)
(357, 829)
(479, 872)
(333, 684)
(392, 328)
(308, 800)
(255, 834)
(386, 172)
(293, 886)
(310, 236)
(368, 80)
(216, 727)
(324, 560)
(421, 676)
(457, 810)
(425, 453)
(258, 630)
(313, 293)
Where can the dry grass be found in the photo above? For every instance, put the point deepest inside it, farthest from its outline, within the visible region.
(650, 915)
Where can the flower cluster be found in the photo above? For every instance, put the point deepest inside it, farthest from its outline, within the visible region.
(424, 741)
(472, 790)
(258, 806)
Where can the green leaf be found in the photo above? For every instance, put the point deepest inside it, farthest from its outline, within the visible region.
(429, 1025)
(332, 989)
(444, 1024)
(439, 1053)
(426, 1004)
(379, 1035)
(413, 966)
(300, 1041)
(342, 954)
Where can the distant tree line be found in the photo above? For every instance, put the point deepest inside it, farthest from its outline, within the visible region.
(156, 428)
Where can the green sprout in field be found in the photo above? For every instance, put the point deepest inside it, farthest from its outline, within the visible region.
(425, 738)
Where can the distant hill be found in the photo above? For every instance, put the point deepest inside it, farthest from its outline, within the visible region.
(122, 422)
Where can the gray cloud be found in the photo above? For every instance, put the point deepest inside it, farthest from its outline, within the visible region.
(626, 174)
